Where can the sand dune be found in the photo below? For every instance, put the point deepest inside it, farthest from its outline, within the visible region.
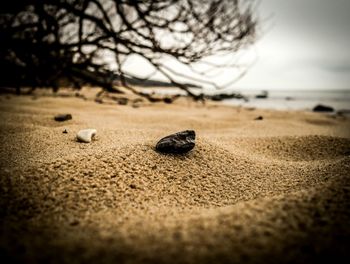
(275, 190)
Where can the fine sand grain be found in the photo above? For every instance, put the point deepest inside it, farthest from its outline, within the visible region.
(275, 190)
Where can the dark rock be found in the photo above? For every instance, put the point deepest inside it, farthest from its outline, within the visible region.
(259, 118)
(65, 131)
(132, 186)
(177, 143)
(63, 117)
(323, 108)
(263, 95)
(225, 96)
(168, 100)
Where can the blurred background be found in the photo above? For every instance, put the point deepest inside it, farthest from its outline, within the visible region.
(292, 54)
(301, 56)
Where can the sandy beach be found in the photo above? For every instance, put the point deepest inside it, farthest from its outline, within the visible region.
(275, 190)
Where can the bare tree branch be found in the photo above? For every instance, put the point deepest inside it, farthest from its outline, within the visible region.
(43, 42)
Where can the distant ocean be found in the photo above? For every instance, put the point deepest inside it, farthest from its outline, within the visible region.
(280, 99)
(294, 99)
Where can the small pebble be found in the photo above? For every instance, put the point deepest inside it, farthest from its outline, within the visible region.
(65, 131)
(177, 143)
(259, 118)
(63, 117)
(86, 135)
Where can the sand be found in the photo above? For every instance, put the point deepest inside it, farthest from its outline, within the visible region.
(275, 190)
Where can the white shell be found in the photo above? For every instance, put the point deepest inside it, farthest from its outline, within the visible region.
(86, 135)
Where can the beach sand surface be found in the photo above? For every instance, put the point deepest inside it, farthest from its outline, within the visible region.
(275, 190)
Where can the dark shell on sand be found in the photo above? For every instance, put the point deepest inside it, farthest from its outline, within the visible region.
(177, 143)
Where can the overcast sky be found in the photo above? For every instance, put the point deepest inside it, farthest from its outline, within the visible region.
(306, 47)
(304, 44)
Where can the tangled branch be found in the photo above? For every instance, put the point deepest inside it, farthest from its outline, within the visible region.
(44, 42)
